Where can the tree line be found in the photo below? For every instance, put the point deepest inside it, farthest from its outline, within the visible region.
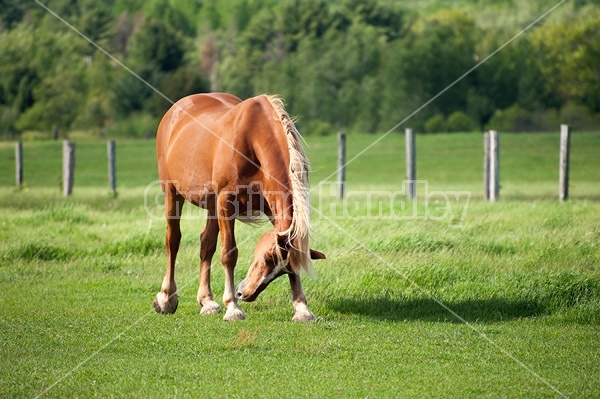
(341, 65)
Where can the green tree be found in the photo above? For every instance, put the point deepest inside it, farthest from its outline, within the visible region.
(345, 64)
(58, 101)
(178, 84)
(94, 20)
(389, 20)
(513, 119)
(97, 110)
(130, 95)
(33, 65)
(436, 124)
(511, 76)
(436, 52)
(12, 13)
(439, 53)
(158, 46)
(300, 19)
(458, 121)
(569, 60)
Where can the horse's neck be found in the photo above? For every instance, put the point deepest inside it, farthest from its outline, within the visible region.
(271, 151)
(281, 206)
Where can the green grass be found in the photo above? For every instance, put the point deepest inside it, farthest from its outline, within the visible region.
(78, 276)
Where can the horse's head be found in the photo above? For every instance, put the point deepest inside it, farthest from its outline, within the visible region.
(271, 259)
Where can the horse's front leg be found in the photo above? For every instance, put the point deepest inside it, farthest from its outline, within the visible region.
(208, 246)
(166, 300)
(229, 255)
(301, 311)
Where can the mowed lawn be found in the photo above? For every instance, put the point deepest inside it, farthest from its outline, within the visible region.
(470, 299)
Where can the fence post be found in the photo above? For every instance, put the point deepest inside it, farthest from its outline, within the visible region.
(68, 167)
(341, 170)
(411, 188)
(563, 173)
(486, 166)
(19, 163)
(112, 166)
(494, 194)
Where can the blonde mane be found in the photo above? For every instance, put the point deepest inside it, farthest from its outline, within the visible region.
(299, 229)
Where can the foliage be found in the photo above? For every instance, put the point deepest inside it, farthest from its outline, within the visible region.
(351, 64)
(458, 121)
(513, 119)
(57, 102)
(157, 46)
(517, 119)
(578, 116)
(436, 124)
(568, 55)
(318, 128)
(138, 125)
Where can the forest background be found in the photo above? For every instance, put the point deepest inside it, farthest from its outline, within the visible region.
(357, 66)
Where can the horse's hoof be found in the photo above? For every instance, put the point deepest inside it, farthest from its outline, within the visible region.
(303, 316)
(210, 308)
(165, 304)
(234, 315)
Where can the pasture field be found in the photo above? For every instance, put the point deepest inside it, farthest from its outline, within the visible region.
(504, 302)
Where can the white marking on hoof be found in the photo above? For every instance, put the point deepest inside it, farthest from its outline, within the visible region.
(210, 307)
(302, 313)
(234, 315)
(164, 303)
(303, 316)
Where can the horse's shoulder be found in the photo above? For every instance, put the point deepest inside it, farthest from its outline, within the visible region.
(255, 103)
(250, 112)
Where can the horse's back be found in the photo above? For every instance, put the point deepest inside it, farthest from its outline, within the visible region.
(200, 110)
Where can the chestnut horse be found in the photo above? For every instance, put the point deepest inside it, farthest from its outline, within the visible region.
(237, 159)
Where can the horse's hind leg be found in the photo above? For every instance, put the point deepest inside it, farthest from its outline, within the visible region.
(208, 246)
(166, 300)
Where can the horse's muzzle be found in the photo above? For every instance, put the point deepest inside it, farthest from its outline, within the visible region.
(242, 294)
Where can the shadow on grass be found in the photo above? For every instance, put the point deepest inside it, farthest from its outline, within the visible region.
(425, 309)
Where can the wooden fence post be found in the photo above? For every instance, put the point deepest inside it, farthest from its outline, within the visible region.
(19, 163)
(563, 173)
(411, 187)
(341, 170)
(494, 194)
(486, 166)
(112, 166)
(68, 167)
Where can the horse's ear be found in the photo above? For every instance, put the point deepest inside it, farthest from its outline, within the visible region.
(316, 254)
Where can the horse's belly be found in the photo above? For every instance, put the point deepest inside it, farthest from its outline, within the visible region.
(192, 181)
